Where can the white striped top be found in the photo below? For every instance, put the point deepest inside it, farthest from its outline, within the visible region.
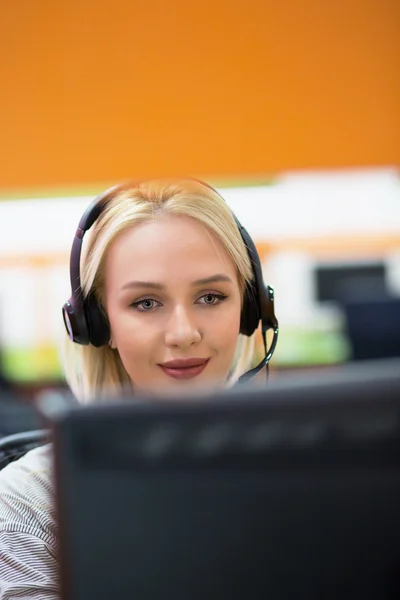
(28, 531)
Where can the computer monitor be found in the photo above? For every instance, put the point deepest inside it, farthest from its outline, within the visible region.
(340, 283)
(373, 328)
(292, 491)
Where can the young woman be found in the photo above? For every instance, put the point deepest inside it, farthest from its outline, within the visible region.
(167, 294)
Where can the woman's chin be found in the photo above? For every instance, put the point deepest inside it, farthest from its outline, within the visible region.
(180, 389)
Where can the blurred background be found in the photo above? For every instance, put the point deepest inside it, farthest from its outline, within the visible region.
(291, 109)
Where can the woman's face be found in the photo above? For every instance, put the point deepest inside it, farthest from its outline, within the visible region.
(174, 303)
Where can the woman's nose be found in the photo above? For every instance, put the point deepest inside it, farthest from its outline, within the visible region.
(182, 330)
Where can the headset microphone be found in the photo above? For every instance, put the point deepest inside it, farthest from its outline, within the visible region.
(266, 324)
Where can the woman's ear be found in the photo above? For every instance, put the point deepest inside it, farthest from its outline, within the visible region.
(111, 344)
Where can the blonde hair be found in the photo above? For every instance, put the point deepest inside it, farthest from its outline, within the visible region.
(93, 372)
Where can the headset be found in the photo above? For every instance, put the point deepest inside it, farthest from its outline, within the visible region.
(86, 322)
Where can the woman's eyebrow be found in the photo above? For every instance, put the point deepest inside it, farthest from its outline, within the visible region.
(213, 279)
(219, 277)
(143, 284)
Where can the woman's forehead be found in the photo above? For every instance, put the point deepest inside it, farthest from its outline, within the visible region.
(169, 247)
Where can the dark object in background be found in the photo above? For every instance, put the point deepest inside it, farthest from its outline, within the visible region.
(5, 385)
(372, 315)
(373, 327)
(16, 415)
(353, 281)
(292, 491)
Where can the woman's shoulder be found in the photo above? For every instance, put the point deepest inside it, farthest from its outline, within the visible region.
(28, 538)
(27, 503)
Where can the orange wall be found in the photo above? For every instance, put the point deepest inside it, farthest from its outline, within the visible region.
(98, 91)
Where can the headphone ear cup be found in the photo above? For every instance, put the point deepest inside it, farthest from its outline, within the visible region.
(250, 316)
(75, 321)
(97, 322)
(251, 311)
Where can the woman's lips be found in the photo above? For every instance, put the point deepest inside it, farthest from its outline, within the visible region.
(185, 368)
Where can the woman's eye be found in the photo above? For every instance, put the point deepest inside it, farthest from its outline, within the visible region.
(212, 299)
(145, 305)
